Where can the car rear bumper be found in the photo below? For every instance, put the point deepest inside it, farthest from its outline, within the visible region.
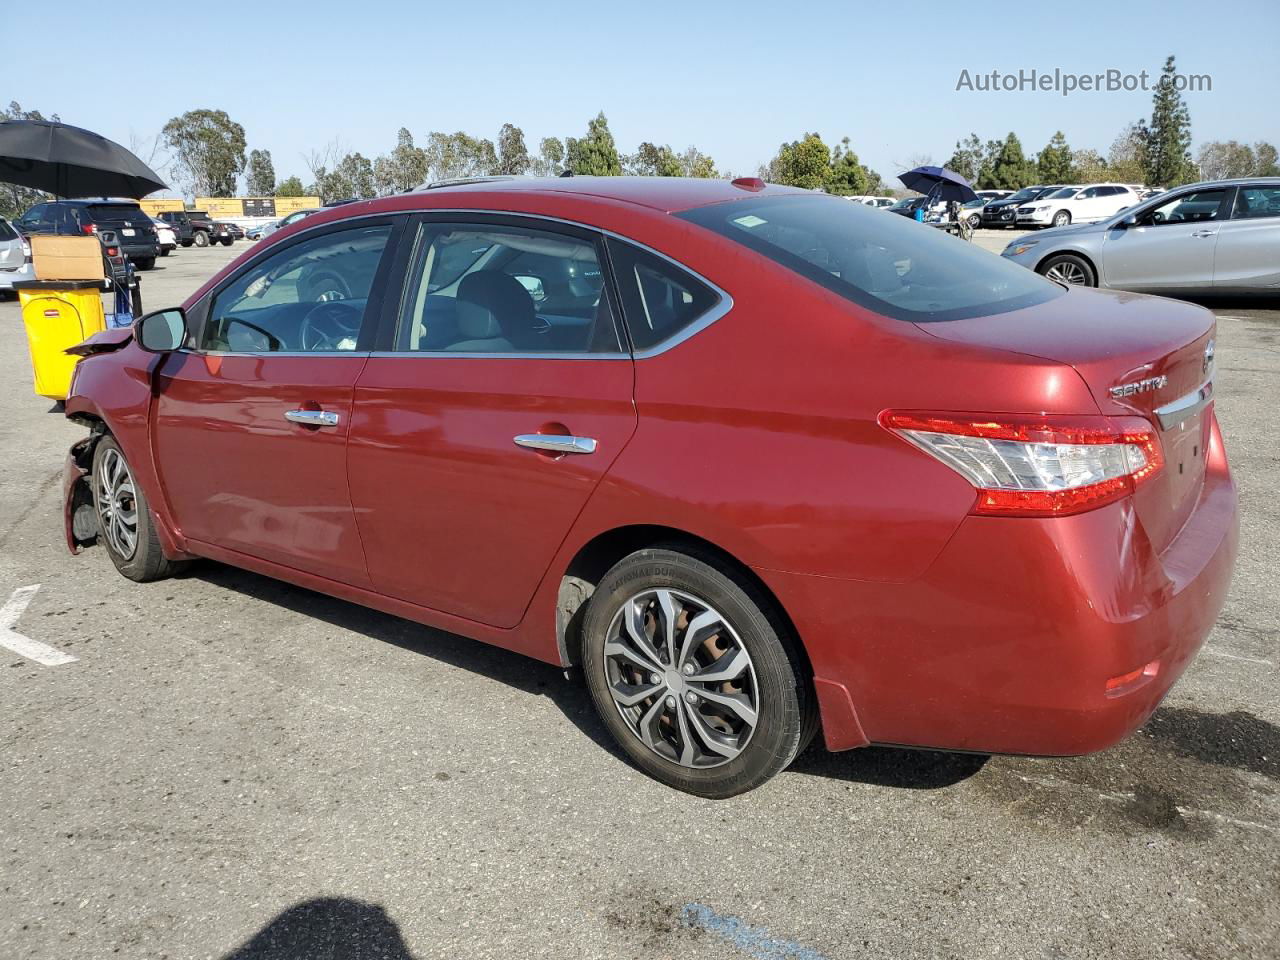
(23, 274)
(1007, 643)
(136, 251)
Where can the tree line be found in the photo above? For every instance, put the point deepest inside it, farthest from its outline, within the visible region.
(1155, 152)
(208, 154)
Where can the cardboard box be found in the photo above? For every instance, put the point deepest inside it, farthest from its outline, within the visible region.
(67, 258)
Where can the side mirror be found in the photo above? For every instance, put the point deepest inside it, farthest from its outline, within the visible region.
(161, 332)
(534, 286)
(1130, 221)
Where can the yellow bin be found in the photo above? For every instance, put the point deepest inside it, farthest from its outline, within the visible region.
(58, 314)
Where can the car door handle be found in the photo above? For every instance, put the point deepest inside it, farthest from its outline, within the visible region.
(1204, 233)
(556, 443)
(312, 418)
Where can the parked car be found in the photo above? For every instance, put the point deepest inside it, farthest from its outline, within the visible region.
(1076, 205)
(15, 258)
(908, 206)
(286, 221)
(990, 195)
(880, 203)
(1003, 213)
(195, 227)
(167, 236)
(972, 211)
(135, 230)
(260, 230)
(235, 230)
(1004, 523)
(1221, 236)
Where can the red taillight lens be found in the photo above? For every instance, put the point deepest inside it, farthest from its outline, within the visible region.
(113, 251)
(1037, 466)
(88, 229)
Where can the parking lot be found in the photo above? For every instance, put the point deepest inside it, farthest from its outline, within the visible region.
(237, 769)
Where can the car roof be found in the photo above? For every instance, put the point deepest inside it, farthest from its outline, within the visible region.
(668, 194)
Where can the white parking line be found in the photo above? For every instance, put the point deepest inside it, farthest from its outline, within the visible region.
(25, 646)
(1215, 652)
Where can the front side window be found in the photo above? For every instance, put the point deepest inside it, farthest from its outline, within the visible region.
(311, 297)
(6, 231)
(501, 289)
(1256, 202)
(1194, 207)
(886, 264)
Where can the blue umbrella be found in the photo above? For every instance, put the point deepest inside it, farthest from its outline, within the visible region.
(939, 183)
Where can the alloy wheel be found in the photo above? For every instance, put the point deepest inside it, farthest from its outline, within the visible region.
(118, 505)
(1068, 271)
(681, 678)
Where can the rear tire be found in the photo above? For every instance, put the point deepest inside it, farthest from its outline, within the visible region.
(201, 239)
(165, 252)
(716, 737)
(227, 241)
(126, 526)
(145, 263)
(1068, 268)
(186, 243)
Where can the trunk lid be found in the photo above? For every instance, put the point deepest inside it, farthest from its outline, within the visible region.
(1137, 354)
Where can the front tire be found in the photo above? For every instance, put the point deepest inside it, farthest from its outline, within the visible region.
(1062, 218)
(201, 239)
(1069, 268)
(694, 674)
(126, 526)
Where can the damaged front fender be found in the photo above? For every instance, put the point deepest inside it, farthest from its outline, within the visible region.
(79, 516)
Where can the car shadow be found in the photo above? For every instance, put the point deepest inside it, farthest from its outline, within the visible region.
(897, 767)
(876, 766)
(517, 671)
(335, 928)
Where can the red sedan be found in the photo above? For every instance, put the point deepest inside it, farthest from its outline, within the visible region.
(760, 461)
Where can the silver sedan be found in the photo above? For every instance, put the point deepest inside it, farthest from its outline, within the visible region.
(1222, 236)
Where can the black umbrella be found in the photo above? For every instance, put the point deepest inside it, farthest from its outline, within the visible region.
(70, 162)
(939, 183)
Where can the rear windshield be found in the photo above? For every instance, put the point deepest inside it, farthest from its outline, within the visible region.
(6, 231)
(891, 265)
(99, 212)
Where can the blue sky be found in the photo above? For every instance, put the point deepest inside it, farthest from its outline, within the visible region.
(734, 79)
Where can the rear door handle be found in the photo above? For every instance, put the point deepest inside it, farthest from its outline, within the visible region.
(312, 418)
(1204, 233)
(556, 443)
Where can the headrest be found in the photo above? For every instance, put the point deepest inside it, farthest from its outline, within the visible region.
(493, 304)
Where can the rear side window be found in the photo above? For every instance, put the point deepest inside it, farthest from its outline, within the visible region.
(1257, 202)
(6, 231)
(891, 265)
(659, 299)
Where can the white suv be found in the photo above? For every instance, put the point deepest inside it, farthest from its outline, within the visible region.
(1077, 205)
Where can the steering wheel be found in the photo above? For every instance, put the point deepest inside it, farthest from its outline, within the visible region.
(331, 325)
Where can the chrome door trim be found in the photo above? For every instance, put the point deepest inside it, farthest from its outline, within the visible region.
(312, 418)
(708, 318)
(1173, 413)
(555, 443)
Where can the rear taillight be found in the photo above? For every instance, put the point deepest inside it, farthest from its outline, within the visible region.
(26, 250)
(1037, 466)
(113, 251)
(89, 229)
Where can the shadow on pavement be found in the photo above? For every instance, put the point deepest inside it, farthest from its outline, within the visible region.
(515, 670)
(891, 766)
(333, 928)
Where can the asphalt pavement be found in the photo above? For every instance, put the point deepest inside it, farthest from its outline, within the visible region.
(236, 768)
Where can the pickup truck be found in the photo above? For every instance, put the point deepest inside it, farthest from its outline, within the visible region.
(194, 226)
